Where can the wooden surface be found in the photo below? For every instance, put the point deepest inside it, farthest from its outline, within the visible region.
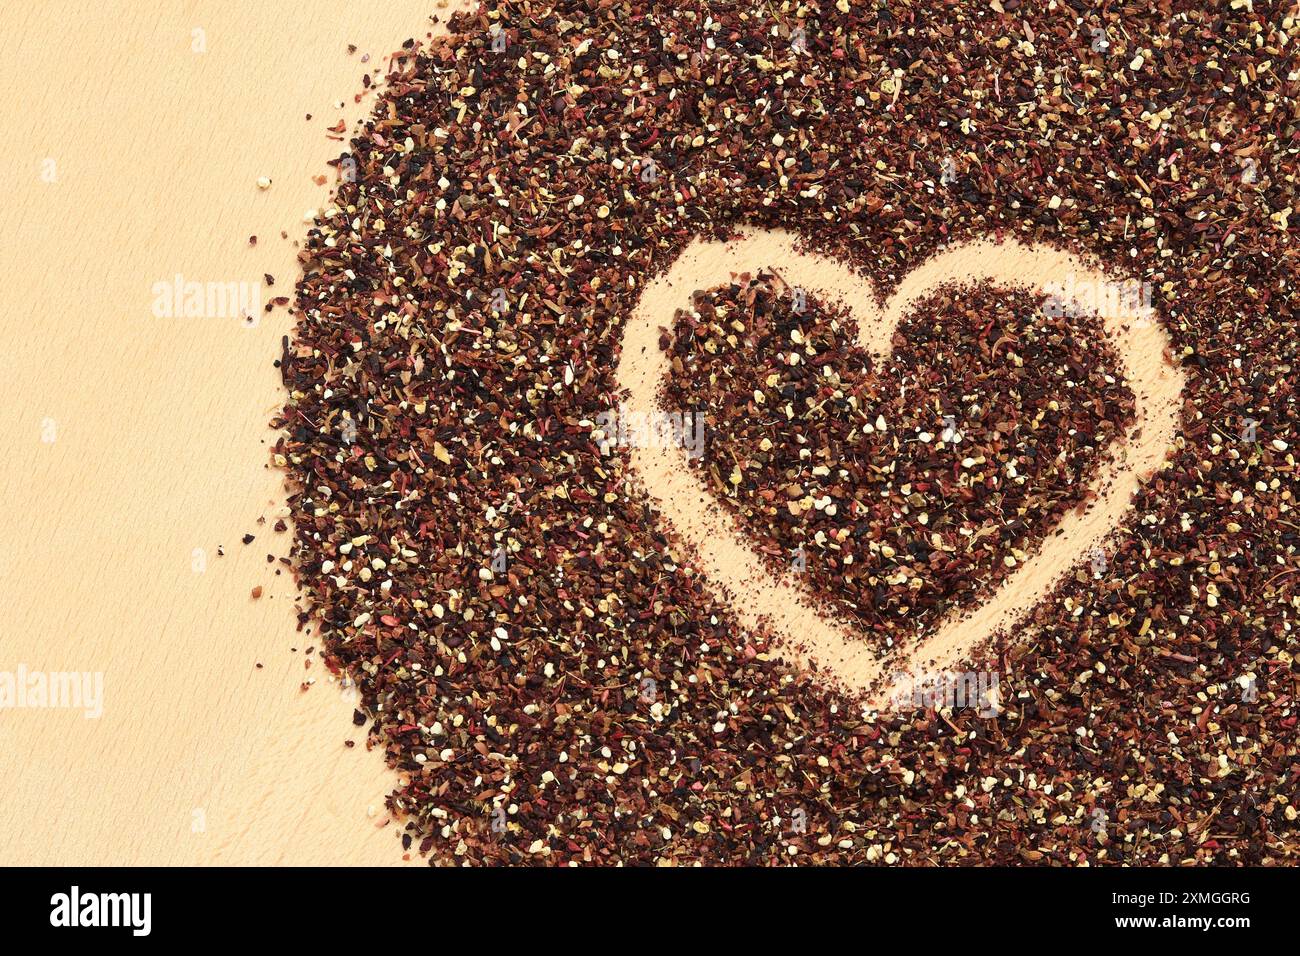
(132, 440)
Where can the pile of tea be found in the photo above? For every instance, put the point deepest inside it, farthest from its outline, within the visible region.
(553, 680)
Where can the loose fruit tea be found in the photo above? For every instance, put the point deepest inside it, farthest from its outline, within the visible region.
(551, 679)
(908, 490)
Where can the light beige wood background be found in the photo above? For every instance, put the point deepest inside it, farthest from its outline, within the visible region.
(159, 431)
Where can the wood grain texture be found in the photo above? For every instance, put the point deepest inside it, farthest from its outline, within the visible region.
(160, 438)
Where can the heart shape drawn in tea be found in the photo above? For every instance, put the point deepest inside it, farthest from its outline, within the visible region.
(778, 605)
